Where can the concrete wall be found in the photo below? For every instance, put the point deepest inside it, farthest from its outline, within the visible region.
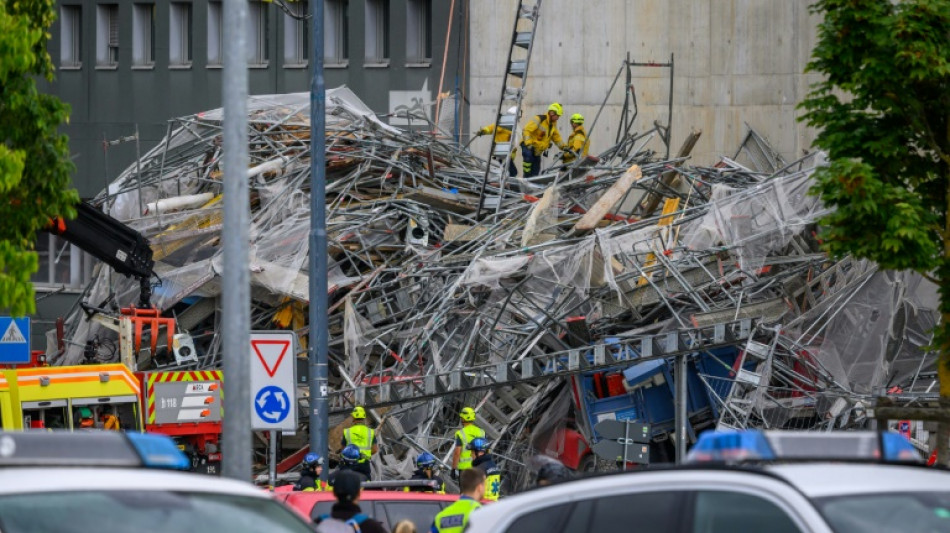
(736, 62)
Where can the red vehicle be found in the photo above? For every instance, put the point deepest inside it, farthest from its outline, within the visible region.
(387, 506)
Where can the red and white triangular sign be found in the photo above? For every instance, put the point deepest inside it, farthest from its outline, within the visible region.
(270, 352)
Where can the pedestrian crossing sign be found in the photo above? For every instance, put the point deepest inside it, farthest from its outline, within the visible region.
(14, 340)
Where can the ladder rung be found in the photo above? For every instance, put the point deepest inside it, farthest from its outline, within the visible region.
(506, 121)
(501, 150)
(523, 39)
(517, 68)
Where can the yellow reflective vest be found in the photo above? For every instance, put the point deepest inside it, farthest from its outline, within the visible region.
(362, 437)
(539, 133)
(502, 135)
(577, 144)
(454, 518)
(464, 436)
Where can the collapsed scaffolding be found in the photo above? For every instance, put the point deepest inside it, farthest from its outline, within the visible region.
(610, 267)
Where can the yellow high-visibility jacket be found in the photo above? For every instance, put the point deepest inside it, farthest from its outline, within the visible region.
(577, 143)
(538, 134)
(502, 135)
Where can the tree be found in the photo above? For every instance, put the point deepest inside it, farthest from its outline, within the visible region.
(883, 111)
(34, 157)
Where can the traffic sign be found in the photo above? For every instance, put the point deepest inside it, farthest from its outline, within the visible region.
(273, 385)
(14, 340)
(623, 441)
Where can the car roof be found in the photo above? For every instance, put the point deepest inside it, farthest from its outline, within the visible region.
(817, 480)
(19, 480)
(371, 495)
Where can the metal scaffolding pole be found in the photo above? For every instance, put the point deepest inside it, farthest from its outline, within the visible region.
(318, 345)
(236, 446)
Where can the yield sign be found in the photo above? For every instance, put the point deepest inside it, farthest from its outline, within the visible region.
(270, 352)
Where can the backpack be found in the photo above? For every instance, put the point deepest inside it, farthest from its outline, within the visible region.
(327, 524)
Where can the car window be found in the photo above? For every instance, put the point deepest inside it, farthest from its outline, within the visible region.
(324, 508)
(915, 512)
(579, 519)
(547, 520)
(728, 512)
(647, 512)
(144, 512)
(422, 514)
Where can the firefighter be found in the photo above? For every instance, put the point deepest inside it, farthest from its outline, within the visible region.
(311, 467)
(462, 457)
(425, 470)
(364, 438)
(454, 518)
(109, 421)
(502, 135)
(351, 462)
(536, 138)
(85, 418)
(577, 142)
(483, 460)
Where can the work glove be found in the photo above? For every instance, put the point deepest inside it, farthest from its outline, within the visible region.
(545, 153)
(479, 133)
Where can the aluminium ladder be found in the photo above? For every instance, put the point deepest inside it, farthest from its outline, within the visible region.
(512, 91)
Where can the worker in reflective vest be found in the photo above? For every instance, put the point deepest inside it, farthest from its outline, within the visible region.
(454, 518)
(536, 138)
(502, 135)
(484, 462)
(577, 144)
(311, 467)
(462, 458)
(362, 437)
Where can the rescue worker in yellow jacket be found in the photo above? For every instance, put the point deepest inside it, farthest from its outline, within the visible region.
(462, 457)
(502, 135)
(362, 437)
(454, 518)
(577, 142)
(536, 138)
(484, 461)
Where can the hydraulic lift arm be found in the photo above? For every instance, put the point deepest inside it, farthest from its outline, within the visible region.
(113, 242)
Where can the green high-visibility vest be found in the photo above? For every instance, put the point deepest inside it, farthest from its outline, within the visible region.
(466, 435)
(454, 518)
(361, 437)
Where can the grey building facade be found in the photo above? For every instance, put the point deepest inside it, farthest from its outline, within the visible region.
(127, 66)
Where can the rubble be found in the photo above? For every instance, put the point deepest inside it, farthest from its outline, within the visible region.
(427, 300)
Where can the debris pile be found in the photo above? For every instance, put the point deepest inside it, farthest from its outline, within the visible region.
(536, 311)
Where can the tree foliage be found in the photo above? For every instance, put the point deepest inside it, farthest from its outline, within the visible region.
(883, 111)
(34, 157)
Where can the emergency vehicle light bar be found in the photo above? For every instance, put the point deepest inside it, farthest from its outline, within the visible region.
(739, 446)
(94, 448)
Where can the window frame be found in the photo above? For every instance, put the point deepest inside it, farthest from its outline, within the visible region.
(143, 42)
(181, 29)
(79, 267)
(70, 36)
(215, 34)
(257, 51)
(418, 33)
(297, 34)
(336, 47)
(377, 34)
(107, 36)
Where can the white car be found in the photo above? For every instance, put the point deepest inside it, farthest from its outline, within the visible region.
(97, 482)
(817, 497)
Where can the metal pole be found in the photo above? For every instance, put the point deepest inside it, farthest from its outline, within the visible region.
(272, 470)
(317, 347)
(669, 113)
(626, 443)
(681, 398)
(138, 168)
(236, 445)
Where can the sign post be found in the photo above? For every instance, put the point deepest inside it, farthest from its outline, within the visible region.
(273, 384)
(623, 441)
(14, 340)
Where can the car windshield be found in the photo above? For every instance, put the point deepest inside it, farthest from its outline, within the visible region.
(144, 511)
(907, 512)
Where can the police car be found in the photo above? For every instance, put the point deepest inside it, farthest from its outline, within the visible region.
(111, 482)
(747, 481)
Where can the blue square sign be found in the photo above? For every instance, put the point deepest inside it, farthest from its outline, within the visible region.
(14, 340)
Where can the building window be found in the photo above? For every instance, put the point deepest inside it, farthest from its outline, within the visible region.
(335, 32)
(179, 34)
(61, 264)
(215, 33)
(70, 36)
(419, 31)
(257, 40)
(377, 31)
(107, 35)
(296, 33)
(143, 28)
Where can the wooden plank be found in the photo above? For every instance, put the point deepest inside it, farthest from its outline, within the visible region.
(607, 201)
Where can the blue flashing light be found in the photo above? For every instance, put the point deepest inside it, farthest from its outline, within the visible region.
(897, 448)
(731, 446)
(158, 451)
